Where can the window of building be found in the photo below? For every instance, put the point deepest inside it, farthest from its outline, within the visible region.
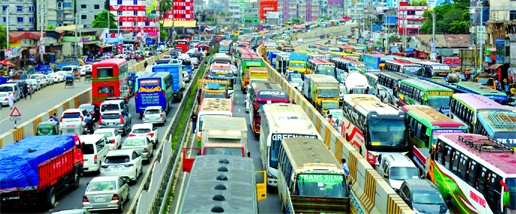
(147, 23)
(512, 15)
(119, 2)
(67, 4)
(20, 19)
(19, 8)
(95, 17)
(119, 23)
(4, 8)
(59, 5)
(31, 19)
(5, 19)
(83, 6)
(411, 12)
(135, 2)
(96, 7)
(20, 29)
(31, 8)
(119, 13)
(84, 16)
(135, 13)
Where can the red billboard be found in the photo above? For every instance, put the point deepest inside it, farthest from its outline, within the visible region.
(267, 6)
(182, 10)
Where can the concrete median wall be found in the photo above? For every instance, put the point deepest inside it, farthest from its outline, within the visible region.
(28, 128)
(371, 193)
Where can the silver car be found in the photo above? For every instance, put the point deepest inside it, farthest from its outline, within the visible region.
(49, 79)
(154, 114)
(34, 84)
(140, 144)
(106, 193)
(4, 98)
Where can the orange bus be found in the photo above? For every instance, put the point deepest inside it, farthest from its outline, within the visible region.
(109, 78)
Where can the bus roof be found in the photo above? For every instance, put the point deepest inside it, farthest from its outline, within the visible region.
(320, 61)
(479, 102)
(401, 62)
(499, 121)
(110, 62)
(425, 85)
(286, 116)
(479, 88)
(266, 86)
(306, 151)
(366, 103)
(434, 117)
(395, 75)
(205, 182)
(216, 104)
(250, 56)
(493, 155)
(224, 123)
(220, 66)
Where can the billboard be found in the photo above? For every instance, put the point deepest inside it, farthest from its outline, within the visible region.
(183, 10)
(267, 6)
(150, 8)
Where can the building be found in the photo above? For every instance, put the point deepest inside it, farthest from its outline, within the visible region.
(287, 10)
(356, 11)
(88, 10)
(21, 16)
(251, 12)
(447, 45)
(199, 6)
(267, 6)
(502, 20)
(335, 9)
(131, 16)
(308, 10)
(183, 10)
(410, 18)
(234, 10)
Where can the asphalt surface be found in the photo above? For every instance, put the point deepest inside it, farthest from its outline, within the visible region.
(43, 100)
(73, 199)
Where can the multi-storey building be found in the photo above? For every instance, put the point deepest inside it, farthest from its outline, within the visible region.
(335, 9)
(88, 10)
(410, 18)
(308, 10)
(287, 10)
(502, 20)
(130, 16)
(199, 6)
(234, 8)
(251, 13)
(356, 10)
(21, 16)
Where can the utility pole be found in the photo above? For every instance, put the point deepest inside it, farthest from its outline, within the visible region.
(42, 11)
(7, 12)
(481, 40)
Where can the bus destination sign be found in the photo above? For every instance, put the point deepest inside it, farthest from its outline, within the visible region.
(321, 178)
(447, 131)
(440, 93)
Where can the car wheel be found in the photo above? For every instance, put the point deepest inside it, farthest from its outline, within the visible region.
(76, 180)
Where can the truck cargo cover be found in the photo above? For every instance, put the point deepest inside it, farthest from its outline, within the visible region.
(19, 161)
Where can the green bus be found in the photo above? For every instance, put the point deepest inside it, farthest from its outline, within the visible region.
(424, 125)
(477, 88)
(422, 92)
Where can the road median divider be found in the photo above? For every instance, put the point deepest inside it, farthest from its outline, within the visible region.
(29, 127)
(370, 192)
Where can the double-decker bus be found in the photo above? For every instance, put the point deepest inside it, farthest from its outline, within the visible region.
(433, 69)
(281, 121)
(154, 89)
(109, 78)
(183, 44)
(222, 183)
(402, 67)
(475, 173)
(308, 173)
(261, 94)
(321, 66)
(424, 125)
(420, 92)
(477, 88)
(373, 127)
(465, 108)
(500, 126)
(226, 46)
(224, 72)
(212, 107)
(386, 85)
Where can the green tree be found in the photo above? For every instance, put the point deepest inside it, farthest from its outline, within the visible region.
(163, 34)
(3, 37)
(296, 20)
(164, 7)
(51, 27)
(449, 19)
(101, 22)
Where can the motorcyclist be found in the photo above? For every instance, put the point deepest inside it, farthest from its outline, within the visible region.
(89, 125)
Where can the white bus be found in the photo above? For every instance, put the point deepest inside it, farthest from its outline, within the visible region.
(212, 107)
(386, 84)
(373, 127)
(308, 173)
(280, 121)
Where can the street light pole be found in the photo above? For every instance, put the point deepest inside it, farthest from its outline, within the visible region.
(481, 40)
(7, 12)
(43, 10)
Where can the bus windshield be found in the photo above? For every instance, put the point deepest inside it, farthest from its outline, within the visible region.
(233, 151)
(221, 73)
(213, 95)
(325, 69)
(296, 65)
(402, 173)
(328, 93)
(327, 105)
(321, 185)
(224, 48)
(410, 69)
(511, 184)
(438, 102)
(387, 132)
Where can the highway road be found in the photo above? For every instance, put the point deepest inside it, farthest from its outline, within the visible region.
(43, 100)
(73, 199)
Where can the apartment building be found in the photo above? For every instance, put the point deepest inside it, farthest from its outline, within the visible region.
(309, 10)
(251, 14)
(335, 9)
(234, 8)
(88, 10)
(21, 16)
(356, 11)
(410, 18)
(502, 20)
(199, 6)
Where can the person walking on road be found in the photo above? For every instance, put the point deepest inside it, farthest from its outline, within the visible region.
(25, 91)
(145, 64)
(11, 100)
(193, 118)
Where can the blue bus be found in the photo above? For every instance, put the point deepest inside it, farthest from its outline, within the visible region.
(500, 126)
(153, 89)
(174, 69)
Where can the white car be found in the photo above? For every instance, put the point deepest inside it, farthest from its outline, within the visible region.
(82, 70)
(74, 115)
(124, 163)
(49, 79)
(62, 75)
(300, 40)
(57, 78)
(146, 129)
(195, 62)
(114, 139)
(184, 57)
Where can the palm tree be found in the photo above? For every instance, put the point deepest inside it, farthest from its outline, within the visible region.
(164, 7)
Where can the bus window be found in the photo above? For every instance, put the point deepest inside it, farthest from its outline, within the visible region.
(105, 72)
(106, 90)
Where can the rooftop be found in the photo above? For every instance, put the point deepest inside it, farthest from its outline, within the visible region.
(445, 40)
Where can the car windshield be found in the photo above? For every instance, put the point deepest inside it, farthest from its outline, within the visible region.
(105, 133)
(428, 197)
(100, 186)
(152, 111)
(107, 107)
(141, 131)
(134, 142)
(402, 173)
(117, 159)
(71, 115)
(110, 116)
(87, 149)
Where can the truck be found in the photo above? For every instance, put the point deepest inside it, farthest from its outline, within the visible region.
(271, 57)
(212, 89)
(37, 168)
(175, 69)
(322, 91)
(287, 48)
(356, 83)
(297, 62)
(376, 61)
(281, 62)
(249, 61)
(220, 136)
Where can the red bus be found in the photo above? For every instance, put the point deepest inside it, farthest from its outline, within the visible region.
(110, 79)
(183, 44)
(261, 94)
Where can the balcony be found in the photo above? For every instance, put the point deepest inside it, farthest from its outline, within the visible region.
(412, 8)
(410, 17)
(410, 26)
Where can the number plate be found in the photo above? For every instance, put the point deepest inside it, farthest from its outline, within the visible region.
(100, 199)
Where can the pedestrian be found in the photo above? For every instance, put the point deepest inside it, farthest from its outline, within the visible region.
(330, 120)
(367, 90)
(345, 166)
(507, 90)
(11, 100)
(193, 118)
(145, 64)
(25, 91)
(54, 118)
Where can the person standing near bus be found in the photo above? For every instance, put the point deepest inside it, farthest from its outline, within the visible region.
(193, 118)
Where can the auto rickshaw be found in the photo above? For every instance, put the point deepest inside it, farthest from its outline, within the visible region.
(69, 80)
(47, 128)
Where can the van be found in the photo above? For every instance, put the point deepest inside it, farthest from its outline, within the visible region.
(12, 88)
(395, 168)
(113, 105)
(422, 196)
(94, 149)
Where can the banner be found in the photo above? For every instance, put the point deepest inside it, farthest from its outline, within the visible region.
(150, 8)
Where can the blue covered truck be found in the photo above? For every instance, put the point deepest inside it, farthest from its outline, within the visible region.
(175, 69)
